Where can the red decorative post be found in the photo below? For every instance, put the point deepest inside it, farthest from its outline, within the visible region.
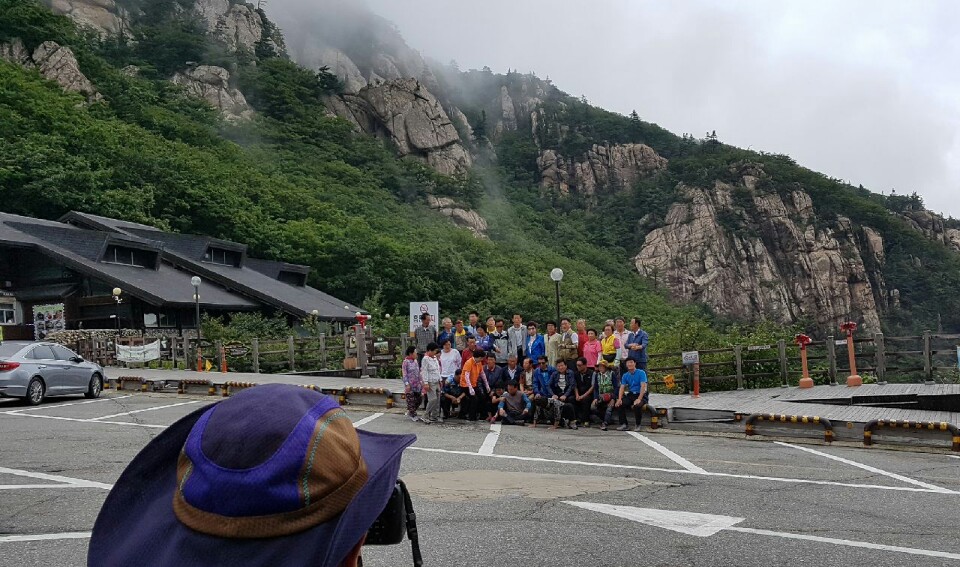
(854, 379)
(803, 341)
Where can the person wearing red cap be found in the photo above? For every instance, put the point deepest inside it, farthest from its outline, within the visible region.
(274, 475)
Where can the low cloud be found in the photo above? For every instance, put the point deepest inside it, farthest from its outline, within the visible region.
(865, 91)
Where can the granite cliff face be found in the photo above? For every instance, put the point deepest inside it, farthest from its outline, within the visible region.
(213, 85)
(55, 62)
(749, 254)
(102, 16)
(607, 167)
(239, 26)
(404, 112)
(932, 226)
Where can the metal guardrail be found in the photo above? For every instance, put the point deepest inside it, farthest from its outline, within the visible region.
(872, 425)
(783, 418)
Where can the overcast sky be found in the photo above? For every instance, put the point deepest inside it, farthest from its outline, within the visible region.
(866, 91)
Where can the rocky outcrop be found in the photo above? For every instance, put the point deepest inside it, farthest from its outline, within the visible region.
(932, 226)
(239, 26)
(55, 62)
(213, 85)
(609, 167)
(102, 16)
(411, 118)
(461, 216)
(337, 62)
(772, 262)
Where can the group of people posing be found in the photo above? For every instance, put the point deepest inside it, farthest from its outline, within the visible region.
(564, 377)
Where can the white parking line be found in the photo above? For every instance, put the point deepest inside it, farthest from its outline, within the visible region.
(95, 419)
(684, 471)
(57, 417)
(65, 481)
(42, 537)
(667, 453)
(366, 420)
(901, 478)
(491, 440)
(55, 406)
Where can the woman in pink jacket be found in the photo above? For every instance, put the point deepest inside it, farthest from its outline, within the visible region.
(592, 349)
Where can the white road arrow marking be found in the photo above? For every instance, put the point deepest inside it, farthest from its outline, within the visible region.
(690, 523)
(706, 525)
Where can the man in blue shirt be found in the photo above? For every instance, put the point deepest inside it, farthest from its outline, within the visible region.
(636, 346)
(633, 394)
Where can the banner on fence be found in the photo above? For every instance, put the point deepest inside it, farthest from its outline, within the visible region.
(143, 353)
(752, 348)
(840, 342)
(420, 308)
(691, 358)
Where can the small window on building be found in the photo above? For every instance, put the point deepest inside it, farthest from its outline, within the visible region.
(8, 314)
(293, 278)
(159, 320)
(129, 256)
(222, 257)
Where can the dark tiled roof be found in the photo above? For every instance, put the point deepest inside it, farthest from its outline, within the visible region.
(272, 269)
(254, 279)
(74, 247)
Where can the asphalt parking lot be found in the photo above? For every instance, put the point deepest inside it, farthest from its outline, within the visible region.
(527, 497)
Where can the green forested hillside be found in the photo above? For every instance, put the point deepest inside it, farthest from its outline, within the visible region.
(297, 185)
(293, 184)
(926, 273)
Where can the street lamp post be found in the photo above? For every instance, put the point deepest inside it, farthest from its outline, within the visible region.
(556, 275)
(117, 299)
(195, 281)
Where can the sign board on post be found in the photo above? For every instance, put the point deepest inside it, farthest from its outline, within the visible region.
(691, 358)
(48, 319)
(420, 308)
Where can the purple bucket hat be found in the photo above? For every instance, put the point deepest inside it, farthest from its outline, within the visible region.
(275, 475)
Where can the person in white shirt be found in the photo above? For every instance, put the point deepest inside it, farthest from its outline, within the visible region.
(450, 360)
(515, 337)
(432, 382)
(622, 333)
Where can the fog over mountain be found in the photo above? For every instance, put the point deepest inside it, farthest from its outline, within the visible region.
(862, 91)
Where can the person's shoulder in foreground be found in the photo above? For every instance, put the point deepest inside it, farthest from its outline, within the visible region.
(275, 475)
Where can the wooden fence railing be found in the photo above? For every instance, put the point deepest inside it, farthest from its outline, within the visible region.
(929, 357)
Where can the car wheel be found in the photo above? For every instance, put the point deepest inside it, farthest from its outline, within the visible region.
(95, 387)
(35, 392)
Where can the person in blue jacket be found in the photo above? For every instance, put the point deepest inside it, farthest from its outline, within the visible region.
(636, 346)
(553, 394)
(533, 346)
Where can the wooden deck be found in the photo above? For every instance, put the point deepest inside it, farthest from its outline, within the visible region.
(793, 401)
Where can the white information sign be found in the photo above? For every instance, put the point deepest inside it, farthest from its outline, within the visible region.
(420, 308)
(692, 357)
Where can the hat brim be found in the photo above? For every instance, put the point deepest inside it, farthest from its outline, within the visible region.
(137, 525)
